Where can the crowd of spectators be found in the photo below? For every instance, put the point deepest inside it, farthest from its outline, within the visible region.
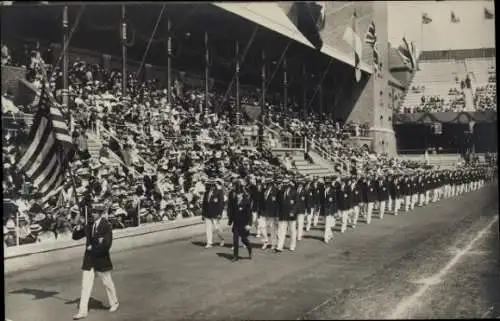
(485, 97)
(155, 156)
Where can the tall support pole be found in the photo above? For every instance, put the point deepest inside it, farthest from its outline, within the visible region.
(304, 90)
(207, 62)
(124, 52)
(263, 109)
(285, 86)
(285, 90)
(65, 57)
(169, 63)
(238, 106)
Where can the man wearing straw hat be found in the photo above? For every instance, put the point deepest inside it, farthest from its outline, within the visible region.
(99, 238)
(213, 205)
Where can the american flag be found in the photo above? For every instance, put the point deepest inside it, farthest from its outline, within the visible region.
(45, 160)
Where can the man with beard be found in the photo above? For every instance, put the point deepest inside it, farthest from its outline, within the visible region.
(329, 207)
(287, 215)
(240, 217)
(301, 207)
(213, 205)
(269, 213)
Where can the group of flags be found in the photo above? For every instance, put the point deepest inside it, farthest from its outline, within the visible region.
(488, 15)
(352, 37)
(408, 52)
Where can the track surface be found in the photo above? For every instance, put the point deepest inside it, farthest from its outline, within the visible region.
(440, 261)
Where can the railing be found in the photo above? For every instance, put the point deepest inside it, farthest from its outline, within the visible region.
(317, 148)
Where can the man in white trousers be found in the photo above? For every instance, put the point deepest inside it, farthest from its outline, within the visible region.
(287, 215)
(370, 196)
(96, 259)
(329, 207)
(269, 214)
(255, 191)
(314, 203)
(300, 207)
(212, 208)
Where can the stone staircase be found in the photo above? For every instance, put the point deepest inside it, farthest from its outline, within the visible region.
(302, 166)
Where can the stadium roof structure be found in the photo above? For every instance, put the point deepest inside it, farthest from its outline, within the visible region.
(274, 17)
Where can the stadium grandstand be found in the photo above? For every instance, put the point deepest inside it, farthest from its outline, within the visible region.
(160, 97)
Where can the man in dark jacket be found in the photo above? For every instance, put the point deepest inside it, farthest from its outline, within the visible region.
(269, 213)
(287, 216)
(382, 195)
(96, 258)
(329, 207)
(240, 217)
(313, 202)
(343, 200)
(213, 205)
(370, 195)
(301, 207)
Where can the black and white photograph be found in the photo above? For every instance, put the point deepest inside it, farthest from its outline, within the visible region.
(279, 160)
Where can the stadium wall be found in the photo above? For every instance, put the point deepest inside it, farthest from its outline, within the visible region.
(373, 104)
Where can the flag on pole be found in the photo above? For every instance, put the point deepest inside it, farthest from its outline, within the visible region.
(488, 15)
(415, 54)
(426, 19)
(454, 18)
(370, 35)
(407, 53)
(354, 40)
(45, 160)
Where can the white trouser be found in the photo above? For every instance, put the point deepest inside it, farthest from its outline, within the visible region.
(414, 200)
(369, 212)
(272, 224)
(407, 203)
(316, 217)
(329, 225)
(282, 231)
(389, 204)
(88, 283)
(427, 198)
(255, 222)
(355, 215)
(309, 217)
(210, 225)
(421, 200)
(435, 196)
(397, 205)
(300, 226)
(344, 216)
(381, 208)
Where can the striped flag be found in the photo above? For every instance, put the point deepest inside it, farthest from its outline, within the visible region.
(45, 160)
(454, 18)
(406, 52)
(426, 19)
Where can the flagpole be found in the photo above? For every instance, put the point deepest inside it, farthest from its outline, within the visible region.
(65, 161)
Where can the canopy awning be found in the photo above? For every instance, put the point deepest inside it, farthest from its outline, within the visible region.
(272, 16)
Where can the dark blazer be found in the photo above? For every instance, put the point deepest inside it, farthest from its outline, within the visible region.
(343, 198)
(300, 200)
(287, 204)
(255, 196)
(269, 205)
(370, 192)
(98, 257)
(329, 204)
(213, 207)
(382, 190)
(358, 197)
(239, 213)
(311, 196)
